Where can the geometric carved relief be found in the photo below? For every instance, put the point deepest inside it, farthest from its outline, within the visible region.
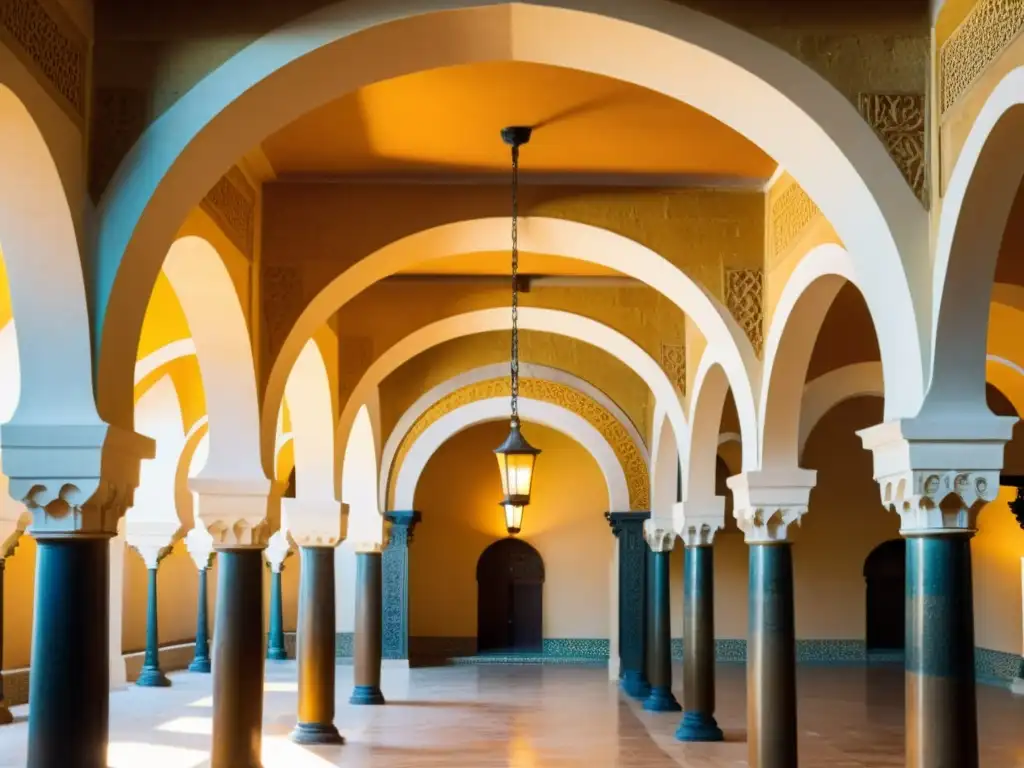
(627, 452)
(988, 29)
(792, 211)
(673, 362)
(744, 296)
(282, 300)
(231, 202)
(51, 43)
(898, 119)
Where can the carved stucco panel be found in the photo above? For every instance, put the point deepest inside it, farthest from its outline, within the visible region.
(673, 362)
(283, 299)
(791, 213)
(974, 45)
(899, 121)
(231, 202)
(744, 296)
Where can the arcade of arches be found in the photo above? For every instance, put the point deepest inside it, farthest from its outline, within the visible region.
(771, 322)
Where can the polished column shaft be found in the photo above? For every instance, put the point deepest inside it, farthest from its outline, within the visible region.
(771, 659)
(238, 660)
(5, 714)
(201, 657)
(275, 639)
(661, 698)
(70, 680)
(941, 708)
(698, 723)
(151, 675)
(315, 651)
(368, 652)
(628, 528)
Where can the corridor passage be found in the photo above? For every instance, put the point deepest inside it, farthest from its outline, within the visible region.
(528, 717)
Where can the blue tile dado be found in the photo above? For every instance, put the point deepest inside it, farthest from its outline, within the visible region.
(590, 649)
(995, 667)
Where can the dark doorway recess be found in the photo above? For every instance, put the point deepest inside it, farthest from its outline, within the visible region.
(885, 572)
(510, 589)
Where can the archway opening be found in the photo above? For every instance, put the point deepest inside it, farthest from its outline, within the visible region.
(510, 598)
(885, 575)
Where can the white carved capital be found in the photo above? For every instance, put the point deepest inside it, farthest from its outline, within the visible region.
(199, 544)
(660, 535)
(151, 538)
(367, 547)
(234, 512)
(315, 522)
(698, 520)
(938, 474)
(767, 502)
(76, 479)
(277, 551)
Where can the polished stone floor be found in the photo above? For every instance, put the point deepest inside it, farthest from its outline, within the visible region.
(530, 717)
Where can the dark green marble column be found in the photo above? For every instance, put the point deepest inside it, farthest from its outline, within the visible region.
(395, 565)
(315, 650)
(698, 723)
(238, 660)
(5, 714)
(628, 528)
(201, 657)
(151, 675)
(661, 698)
(275, 637)
(771, 658)
(368, 651)
(70, 681)
(941, 708)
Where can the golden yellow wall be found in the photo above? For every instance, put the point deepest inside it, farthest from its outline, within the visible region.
(461, 517)
(19, 596)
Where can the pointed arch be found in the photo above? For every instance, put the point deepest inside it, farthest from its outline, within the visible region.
(308, 394)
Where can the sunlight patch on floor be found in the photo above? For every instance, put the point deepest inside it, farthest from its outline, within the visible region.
(277, 687)
(279, 752)
(130, 754)
(199, 725)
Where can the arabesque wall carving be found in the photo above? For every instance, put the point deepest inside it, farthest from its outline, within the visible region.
(792, 211)
(989, 28)
(282, 299)
(627, 452)
(673, 362)
(232, 204)
(898, 119)
(744, 296)
(51, 44)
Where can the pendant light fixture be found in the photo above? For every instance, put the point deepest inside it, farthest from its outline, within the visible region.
(516, 457)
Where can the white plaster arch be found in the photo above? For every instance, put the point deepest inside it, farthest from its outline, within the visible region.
(44, 275)
(975, 208)
(530, 319)
(221, 337)
(14, 516)
(665, 467)
(198, 540)
(494, 409)
(825, 392)
(729, 437)
(730, 74)
(308, 394)
(486, 373)
(165, 355)
(359, 473)
(154, 521)
(540, 235)
(710, 390)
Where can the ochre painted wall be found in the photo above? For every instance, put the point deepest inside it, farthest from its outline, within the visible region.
(19, 597)
(458, 495)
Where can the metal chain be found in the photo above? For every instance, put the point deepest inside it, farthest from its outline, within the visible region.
(515, 284)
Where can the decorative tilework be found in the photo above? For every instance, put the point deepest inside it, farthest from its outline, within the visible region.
(344, 642)
(995, 667)
(899, 121)
(576, 648)
(983, 35)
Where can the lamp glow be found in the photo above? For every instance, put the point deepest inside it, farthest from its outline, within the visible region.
(513, 518)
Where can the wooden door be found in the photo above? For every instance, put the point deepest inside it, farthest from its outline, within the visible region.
(510, 583)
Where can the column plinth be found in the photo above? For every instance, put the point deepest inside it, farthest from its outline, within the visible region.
(661, 699)
(315, 650)
(628, 528)
(368, 650)
(238, 660)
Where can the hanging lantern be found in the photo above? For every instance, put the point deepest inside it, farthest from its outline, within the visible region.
(516, 457)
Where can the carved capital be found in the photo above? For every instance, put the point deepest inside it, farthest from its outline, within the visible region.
(659, 535)
(73, 479)
(401, 525)
(152, 539)
(698, 520)
(235, 512)
(368, 547)
(315, 522)
(10, 535)
(938, 475)
(768, 502)
(278, 549)
(199, 544)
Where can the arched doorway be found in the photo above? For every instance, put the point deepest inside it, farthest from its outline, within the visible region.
(885, 572)
(510, 587)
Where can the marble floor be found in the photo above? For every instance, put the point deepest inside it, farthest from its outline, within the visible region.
(529, 717)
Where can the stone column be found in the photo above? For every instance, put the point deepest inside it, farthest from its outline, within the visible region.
(277, 552)
(395, 565)
(151, 675)
(698, 723)
(938, 507)
(661, 538)
(368, 651)
(200, 547)
(315, 651)
(628, 529)
(766, 505)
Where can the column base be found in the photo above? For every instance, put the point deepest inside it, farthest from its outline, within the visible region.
(366, 695)
(277, 654)
(635, 684)
(200, 665)
(661, 700)
(316, 733)
(6, 718)
(699, 726)
(152, 677)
